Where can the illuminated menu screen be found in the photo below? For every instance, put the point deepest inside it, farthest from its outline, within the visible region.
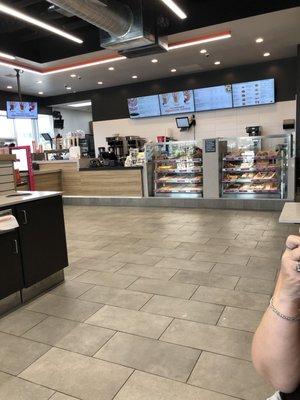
(213, 98)
(177, 102)
(142, 107)
(253, 93)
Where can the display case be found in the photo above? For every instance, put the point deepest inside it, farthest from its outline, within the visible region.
(255, 167)
(178, 169)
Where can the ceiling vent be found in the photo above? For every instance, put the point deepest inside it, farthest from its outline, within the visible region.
(123, 29)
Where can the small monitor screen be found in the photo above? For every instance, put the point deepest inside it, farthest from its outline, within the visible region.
(183, 122)
(213, 98)
(143, 107)
(177, 102)
(253, 93)
(22, 110)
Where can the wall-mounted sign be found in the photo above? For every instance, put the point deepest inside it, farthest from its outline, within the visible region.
(210, 145)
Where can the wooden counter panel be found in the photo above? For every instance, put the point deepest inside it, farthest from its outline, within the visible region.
(97, 183)
(111, 183)
(49, 182)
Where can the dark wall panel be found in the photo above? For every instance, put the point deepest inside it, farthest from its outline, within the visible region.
(111, 103)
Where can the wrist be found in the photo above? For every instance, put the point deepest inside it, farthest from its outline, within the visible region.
(287, 305)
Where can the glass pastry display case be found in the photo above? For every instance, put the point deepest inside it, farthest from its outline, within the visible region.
(178, 169)
(255, 167)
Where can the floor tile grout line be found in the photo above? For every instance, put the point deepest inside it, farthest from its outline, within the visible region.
(168, 326)
(124, 384)
(220, 316)
(108, 340)
(192, 370)
(147, 302)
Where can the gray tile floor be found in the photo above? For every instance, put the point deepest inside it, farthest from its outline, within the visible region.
(157, 304)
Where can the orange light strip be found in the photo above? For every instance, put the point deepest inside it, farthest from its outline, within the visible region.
(21, 66)
(113, 57)
(66, 67)
(89, 63)
(212, 37)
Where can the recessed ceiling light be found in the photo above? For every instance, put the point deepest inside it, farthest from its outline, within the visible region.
(154, 60)
(203, 39)
(9, 87)
(83, 104)
(111, 68)
(25, 17)
(203, 51)
(39, 82)
(41, 92)
(173, 70)
(73, 75)
(217, 62)
(174, 7)
(68, 88)
(134, 76)
(267, 54)
(100, 83)
(259, 40)
(4, 55)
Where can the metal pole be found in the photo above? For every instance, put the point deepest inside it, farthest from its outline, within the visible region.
(19, 84)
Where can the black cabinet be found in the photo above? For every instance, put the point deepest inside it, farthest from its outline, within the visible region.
(42, 238)
(11, 279)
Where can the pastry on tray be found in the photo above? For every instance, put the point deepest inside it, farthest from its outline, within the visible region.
(246, 165)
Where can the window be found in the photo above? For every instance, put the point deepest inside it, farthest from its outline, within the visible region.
(24, 131)
(45, 124)
(6, 127)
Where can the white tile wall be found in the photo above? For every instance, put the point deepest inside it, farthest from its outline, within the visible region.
(221, 123)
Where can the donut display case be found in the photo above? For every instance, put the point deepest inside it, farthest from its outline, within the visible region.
(255, 167)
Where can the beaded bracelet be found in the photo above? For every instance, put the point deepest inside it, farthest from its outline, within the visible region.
(274, 309)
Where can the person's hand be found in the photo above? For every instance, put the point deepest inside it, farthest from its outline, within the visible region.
(287, 295)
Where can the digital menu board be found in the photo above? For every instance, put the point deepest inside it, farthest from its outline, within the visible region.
(142, 107)
(21, 109)
(253, 93)
(213, 98)
(177, 102)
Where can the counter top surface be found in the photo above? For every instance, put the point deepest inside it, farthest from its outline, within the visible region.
(52, 171)
(8, 157)
(42, 172)
(290, 213)
(57, 162)
(10, 201)
(110, 168)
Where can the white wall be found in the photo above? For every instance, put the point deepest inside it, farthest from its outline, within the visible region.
(74, 120)
(221, 123)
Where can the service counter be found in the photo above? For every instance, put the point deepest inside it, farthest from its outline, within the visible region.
(103, 181)
(33, 248)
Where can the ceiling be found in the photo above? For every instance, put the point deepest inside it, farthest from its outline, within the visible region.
(280, 30)
(70, 106)
(26, 41)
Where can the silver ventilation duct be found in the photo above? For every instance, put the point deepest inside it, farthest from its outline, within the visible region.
(122, 29)
(109, 15)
